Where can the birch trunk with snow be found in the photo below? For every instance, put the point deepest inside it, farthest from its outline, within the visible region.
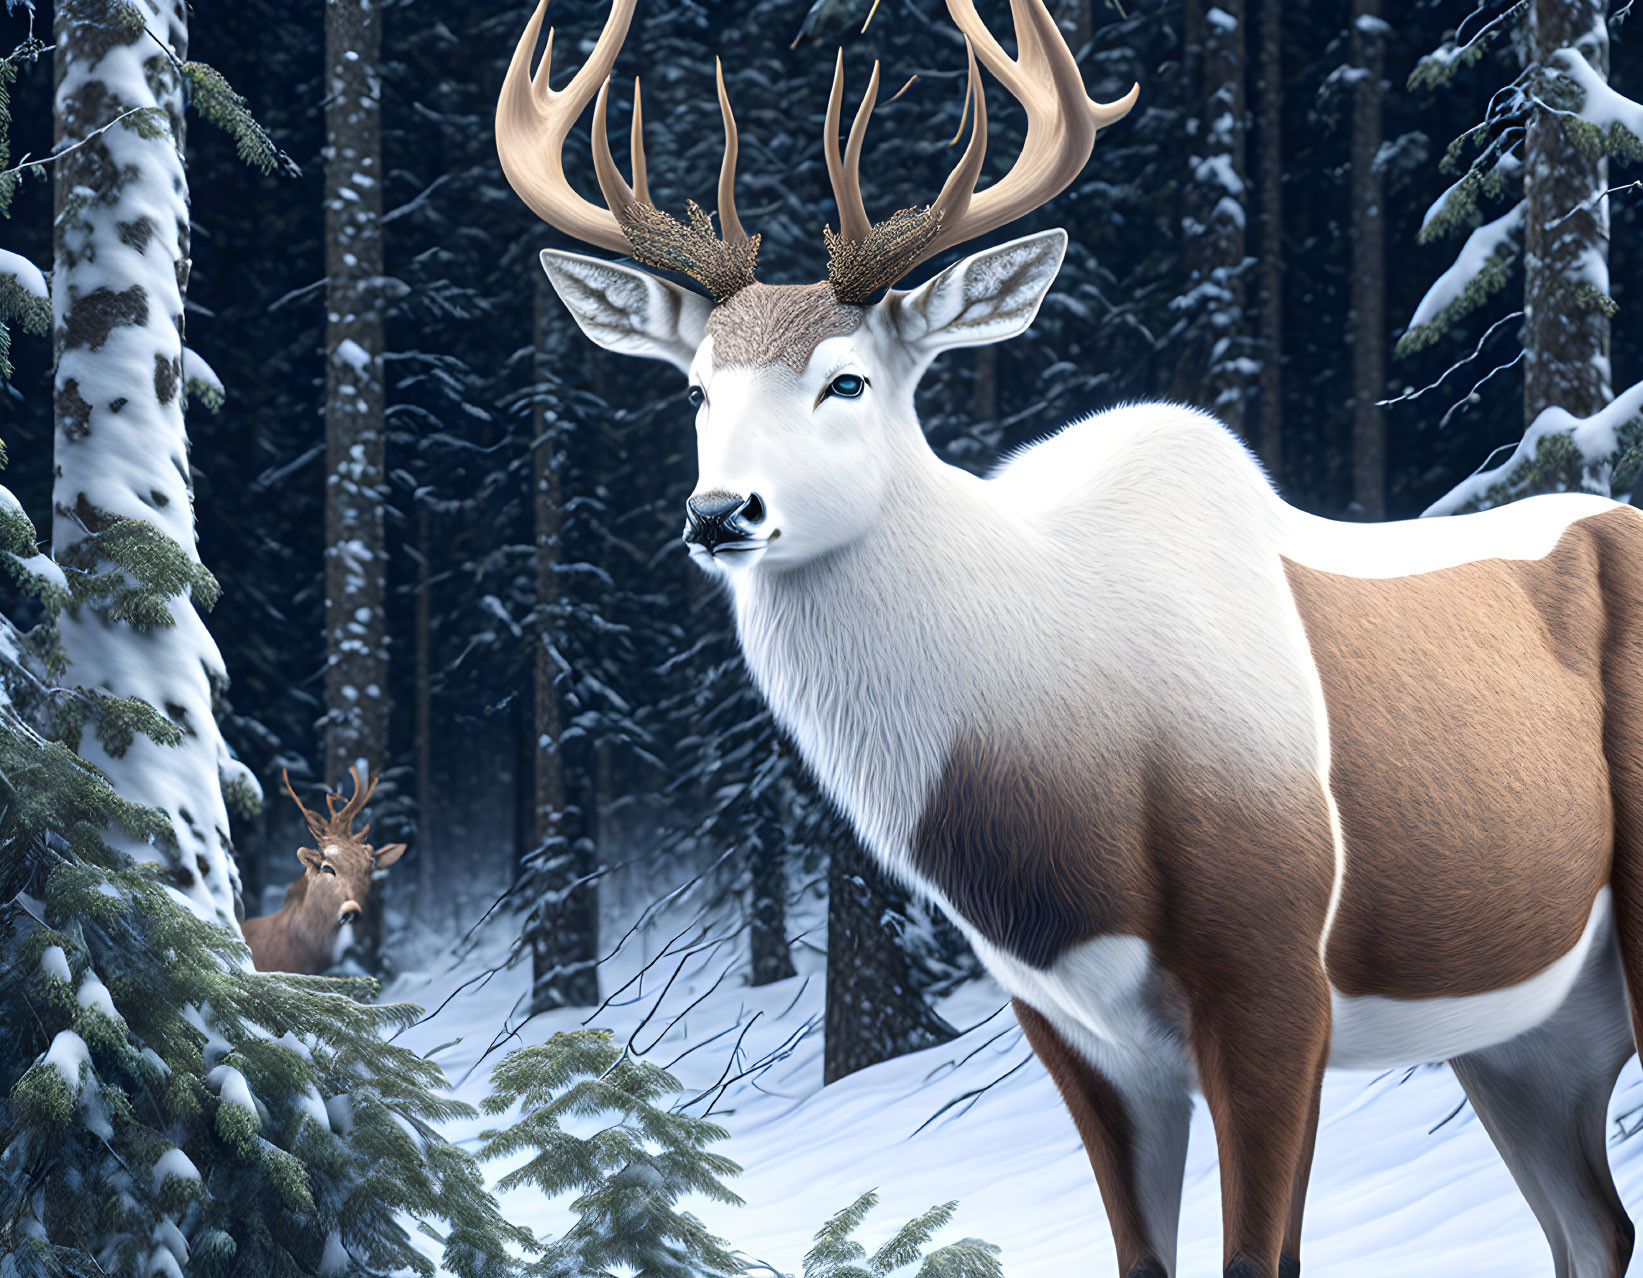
(356, 642)
(1368, 322)
(121, 246)
(562, 925)
(1566, 237)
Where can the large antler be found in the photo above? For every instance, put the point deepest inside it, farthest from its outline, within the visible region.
(532, 123)
(1062, 122)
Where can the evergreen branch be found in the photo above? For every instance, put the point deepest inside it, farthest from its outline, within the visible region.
(214, 98)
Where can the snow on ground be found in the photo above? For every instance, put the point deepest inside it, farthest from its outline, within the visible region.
(1397, 1192)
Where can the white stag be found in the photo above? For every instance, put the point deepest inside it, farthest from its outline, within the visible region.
(1221, 792)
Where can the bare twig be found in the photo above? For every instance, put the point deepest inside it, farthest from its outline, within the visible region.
(1460, 363)
(57, 155)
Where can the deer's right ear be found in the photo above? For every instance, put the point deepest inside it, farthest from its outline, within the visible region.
(310, 858)
(628, 310)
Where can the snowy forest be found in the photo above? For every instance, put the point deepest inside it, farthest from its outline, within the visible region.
(633, 1001)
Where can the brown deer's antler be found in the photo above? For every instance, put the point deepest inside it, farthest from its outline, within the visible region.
(316, 823)
(532, 123)
(1062, 123)
(341, 824)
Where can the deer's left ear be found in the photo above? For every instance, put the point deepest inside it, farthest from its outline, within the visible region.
(386, 856)
(988, 297)
(309, 857)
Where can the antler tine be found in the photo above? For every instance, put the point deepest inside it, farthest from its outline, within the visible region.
(636, 148)
(1062, 123)
(960, 186)
(312, 818)
(618, 194)
(844, 173)
(533, 121)
(730, 226)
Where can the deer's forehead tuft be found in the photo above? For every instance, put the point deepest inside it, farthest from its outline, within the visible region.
(778, 324)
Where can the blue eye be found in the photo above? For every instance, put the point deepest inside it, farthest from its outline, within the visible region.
(847, 385)
(695, 395)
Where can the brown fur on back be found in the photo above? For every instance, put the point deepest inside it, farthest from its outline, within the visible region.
(1466, 719)
(778, 324)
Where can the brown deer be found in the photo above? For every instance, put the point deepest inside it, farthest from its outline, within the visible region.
(333, 891)
(1221, 792)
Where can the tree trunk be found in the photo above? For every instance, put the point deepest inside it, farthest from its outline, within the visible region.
(1271, 389)
(1566, 228)
(429, 904)
(1075, 20)
(768, 950)
(562, 928)
(123, 494)
(356, 641)
(873, 1012)
(1214, 370)
(1368, 323)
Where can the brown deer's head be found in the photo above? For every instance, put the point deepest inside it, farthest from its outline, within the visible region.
(332, 892)
(340, 868)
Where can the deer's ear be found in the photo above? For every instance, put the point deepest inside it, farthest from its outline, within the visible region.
(309, 857)
(988, 297)
(386, 856)
(628, 310)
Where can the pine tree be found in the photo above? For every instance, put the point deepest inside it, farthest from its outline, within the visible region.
(1544, 144)
(837, 1253)
(630, 1174)
(168, 1108)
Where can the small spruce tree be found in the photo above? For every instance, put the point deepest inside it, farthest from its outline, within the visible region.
(631, 1174)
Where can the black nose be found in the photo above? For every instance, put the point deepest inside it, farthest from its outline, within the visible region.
(717, 518)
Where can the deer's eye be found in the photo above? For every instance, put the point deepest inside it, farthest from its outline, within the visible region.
(326, 869)
(847, 385)
(695, 395)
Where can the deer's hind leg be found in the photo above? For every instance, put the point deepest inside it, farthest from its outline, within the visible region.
(1544, 1097)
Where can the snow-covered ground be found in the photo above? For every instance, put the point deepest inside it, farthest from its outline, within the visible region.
(1397, 1192)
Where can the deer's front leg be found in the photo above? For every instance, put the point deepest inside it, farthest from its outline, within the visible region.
(1134, 1130)
(1261, 1042)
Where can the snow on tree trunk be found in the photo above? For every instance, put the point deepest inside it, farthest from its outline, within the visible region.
(562, 928)
(1216, 369)
(873, 1010)
(1566, 283)
(1269, 433)
(123, 499)
(1368, 322)
(356, 644)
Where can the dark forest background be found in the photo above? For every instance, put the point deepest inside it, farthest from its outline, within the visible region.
(567, 711)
